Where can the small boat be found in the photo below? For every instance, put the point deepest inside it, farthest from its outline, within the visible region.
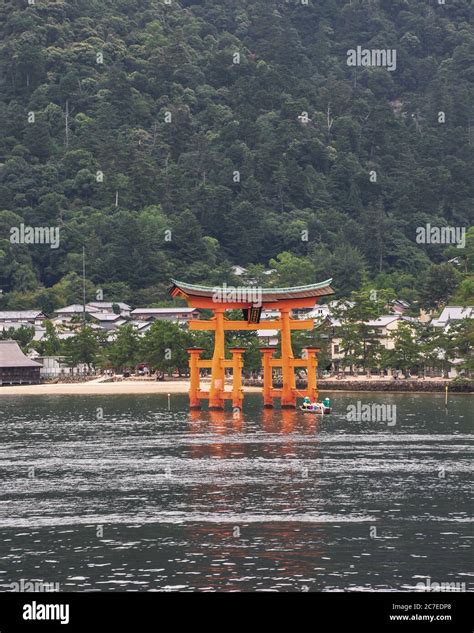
(319, 407)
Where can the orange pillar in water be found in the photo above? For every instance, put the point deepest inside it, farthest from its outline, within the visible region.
(311, 369)
(216, 401)
(237, 366)
(267, 377)
(288, 392)
(194, 354)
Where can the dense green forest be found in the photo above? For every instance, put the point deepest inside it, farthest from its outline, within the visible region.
(180, 138)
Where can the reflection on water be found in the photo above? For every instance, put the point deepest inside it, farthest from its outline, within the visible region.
(151, 499)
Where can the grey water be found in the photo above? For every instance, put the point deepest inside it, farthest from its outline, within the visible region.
(101, 493)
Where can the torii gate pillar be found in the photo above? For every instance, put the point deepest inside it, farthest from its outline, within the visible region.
(288, 392)
(216, 400)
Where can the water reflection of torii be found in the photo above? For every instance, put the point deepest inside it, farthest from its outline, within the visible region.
(220, 423)
(244, 549)
(218, 300)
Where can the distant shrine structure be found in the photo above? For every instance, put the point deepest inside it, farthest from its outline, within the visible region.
(251, 300)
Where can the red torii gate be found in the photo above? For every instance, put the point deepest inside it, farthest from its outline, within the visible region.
(251, 300)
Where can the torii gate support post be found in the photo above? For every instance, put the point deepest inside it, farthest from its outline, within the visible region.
(267, 377)
(237, 366)
(288, 392)
(216, 401)
(311, 368)
(195, 378)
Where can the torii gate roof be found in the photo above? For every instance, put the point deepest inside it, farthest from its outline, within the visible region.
(297, 296)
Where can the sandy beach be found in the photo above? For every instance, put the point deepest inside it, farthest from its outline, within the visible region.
(100, 386)
(97, 388)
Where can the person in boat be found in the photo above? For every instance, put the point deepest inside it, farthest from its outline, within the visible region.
(327, 403)
(310, 406)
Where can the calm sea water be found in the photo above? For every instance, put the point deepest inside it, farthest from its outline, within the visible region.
(118, 493)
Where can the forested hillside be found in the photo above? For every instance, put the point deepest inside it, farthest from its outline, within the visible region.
(172, 140)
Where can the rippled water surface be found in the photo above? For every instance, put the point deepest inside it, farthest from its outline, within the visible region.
(101, 493)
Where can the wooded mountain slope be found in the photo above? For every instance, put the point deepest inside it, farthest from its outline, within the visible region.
(165, 154)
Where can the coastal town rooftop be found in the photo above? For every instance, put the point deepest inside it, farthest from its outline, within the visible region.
(11, 356)
(21, 315)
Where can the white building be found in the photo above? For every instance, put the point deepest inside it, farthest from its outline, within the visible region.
(22, 317)
(176, 314)
(384, 327)
(76, 310)
(268, 338)
(140, 326)
(55, 367)
(238, 271)
(108, 306)
(318, 313)
(453, 313)
(268, 314)
(108, 320)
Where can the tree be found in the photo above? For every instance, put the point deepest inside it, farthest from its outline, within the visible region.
(164, 347)
(464, 294)
(38, 139)
(441, 281)
(292, 270)
(70, 289)
(124, 350)
(406, 352)
(83, 347)
(234, 159)
(24, 278)
(22, 335)
(347, 267)
(359, 339)
(51, 343)
(469, 255)
(460, 344)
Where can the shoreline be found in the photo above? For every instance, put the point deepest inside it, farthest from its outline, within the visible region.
(92, 388)
(136, 387)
